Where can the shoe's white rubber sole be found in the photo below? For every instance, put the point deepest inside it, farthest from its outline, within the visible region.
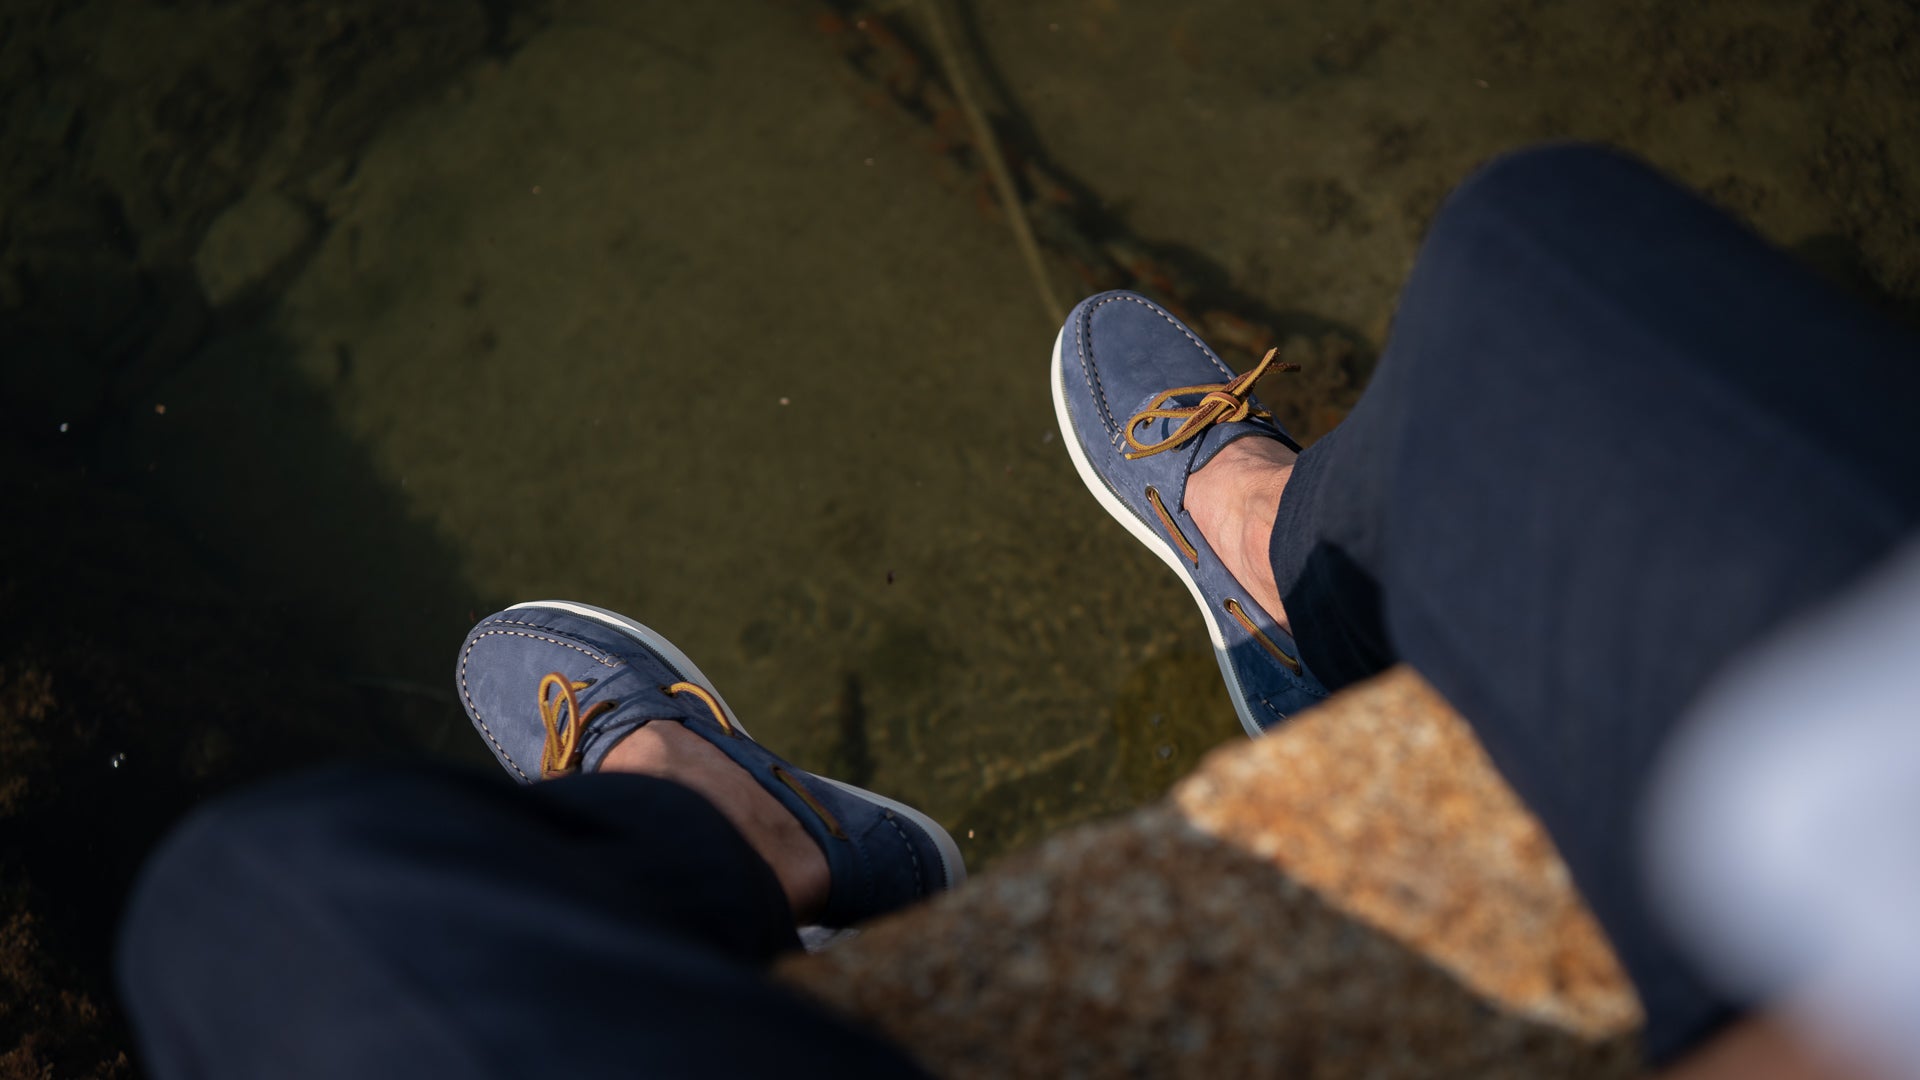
(1119, 511)
(952, 865)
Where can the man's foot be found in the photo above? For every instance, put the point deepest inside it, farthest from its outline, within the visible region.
(1175, 447)
(558, 687)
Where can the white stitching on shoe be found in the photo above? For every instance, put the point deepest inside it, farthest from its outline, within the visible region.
(1093, 380)
(919, 884)
(474, 710)
(1083, 351)
(1277, 714)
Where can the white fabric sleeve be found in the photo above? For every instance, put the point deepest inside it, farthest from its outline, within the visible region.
(1783, 824)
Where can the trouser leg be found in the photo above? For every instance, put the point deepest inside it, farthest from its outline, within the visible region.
(413, 923)
(1614, 439)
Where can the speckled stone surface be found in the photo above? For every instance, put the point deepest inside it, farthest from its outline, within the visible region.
(1358, 895)
(1385, 804)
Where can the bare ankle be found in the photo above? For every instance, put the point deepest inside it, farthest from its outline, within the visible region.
(665, 749)
(1234, 499)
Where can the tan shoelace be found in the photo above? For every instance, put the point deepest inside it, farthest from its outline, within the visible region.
(1240, 613)
(1222, 403)
(564, 721)
(707, 699)
(713, 706)
(561, 753)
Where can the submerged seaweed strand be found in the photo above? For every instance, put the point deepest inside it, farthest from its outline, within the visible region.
(884, 56)
(989, 148)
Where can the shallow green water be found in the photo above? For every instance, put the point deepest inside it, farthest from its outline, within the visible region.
(656, 307)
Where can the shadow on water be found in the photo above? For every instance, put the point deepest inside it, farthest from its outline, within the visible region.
(192, 551)
(851, 756)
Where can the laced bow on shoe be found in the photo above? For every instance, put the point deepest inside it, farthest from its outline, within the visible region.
(564, 721)
(1221, 403)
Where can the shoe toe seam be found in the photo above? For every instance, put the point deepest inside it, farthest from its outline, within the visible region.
(1084, 345)
(473, 708)
(919, 883)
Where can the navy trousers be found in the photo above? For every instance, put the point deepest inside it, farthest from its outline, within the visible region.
(412, 923)
(1613, 440)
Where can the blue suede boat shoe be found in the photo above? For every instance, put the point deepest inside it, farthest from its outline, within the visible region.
(1143, 403)
(552, 686)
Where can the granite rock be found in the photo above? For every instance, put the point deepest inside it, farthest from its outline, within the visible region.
(1358, 895)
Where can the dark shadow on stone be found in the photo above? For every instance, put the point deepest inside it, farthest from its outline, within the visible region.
(1288, 985)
